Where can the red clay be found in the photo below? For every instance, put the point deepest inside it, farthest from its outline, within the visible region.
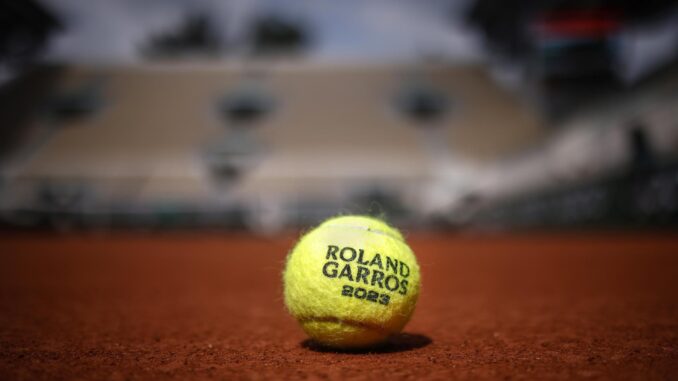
(124, 307)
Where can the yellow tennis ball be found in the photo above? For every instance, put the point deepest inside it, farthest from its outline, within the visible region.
(351, 282)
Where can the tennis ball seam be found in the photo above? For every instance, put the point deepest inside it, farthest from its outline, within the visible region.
(349, 322)
(369, 230)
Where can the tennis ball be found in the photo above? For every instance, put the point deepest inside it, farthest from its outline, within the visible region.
(351, 282)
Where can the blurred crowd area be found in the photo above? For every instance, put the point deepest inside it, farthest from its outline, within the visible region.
(268, 115)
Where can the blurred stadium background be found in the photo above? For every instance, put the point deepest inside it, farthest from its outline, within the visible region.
(269, 115)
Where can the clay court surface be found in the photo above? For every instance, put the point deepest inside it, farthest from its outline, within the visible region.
(209, 306)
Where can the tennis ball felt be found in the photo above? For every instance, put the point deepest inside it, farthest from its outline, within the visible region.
(351, 282)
